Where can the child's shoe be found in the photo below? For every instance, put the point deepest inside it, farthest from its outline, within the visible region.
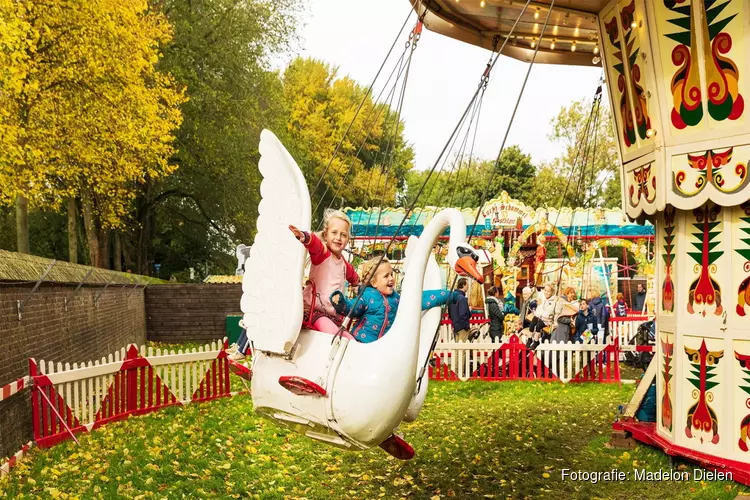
(237, 356)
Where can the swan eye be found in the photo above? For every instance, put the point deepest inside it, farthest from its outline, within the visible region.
(463, 252)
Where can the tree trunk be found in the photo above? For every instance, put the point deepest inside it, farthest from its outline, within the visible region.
(22, 224)
(92, 234)
(104, 252)
(72, 231)
(118, 252)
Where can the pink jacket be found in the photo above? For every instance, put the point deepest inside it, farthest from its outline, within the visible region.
(328, 272)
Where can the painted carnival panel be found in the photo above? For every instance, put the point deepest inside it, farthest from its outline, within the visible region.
(644, 189)
(665, 384)
(718, 174)
(617, 76)
(669, 262)
(639, 68)
(703, 379)
(678, 53)
(740, 265)
(722, 25)
(705, 265)
(741, 398)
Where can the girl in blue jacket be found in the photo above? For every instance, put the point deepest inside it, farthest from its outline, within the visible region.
(379, 302)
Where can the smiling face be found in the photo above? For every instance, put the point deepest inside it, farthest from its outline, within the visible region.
(384, 281)
(336, 236)
(548, 291)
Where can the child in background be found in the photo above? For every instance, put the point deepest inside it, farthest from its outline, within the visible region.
(586, 326)
(328, 270)
(379, 302)
(621, 308)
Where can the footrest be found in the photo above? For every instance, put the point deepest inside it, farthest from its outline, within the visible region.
(301, 386)
(398, 448)
(240, 370)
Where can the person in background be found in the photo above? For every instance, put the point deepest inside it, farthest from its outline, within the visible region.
(495, 313)
(640, 299)
(458, 311)
(528, 306)
(565, 308)
(621, 308)
(601, 310)
(586, 326)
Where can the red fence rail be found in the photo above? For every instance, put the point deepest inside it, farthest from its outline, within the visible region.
(66, 401)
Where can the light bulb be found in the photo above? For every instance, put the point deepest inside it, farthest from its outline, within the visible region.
(596, 49)
(481, 4)
(536, 14)
(554, 30)
(576, 32)
(650, 133)
(634, 24)
(573, 47)
(596, 60)
(533, 44)
(536, 28)
(552, 45)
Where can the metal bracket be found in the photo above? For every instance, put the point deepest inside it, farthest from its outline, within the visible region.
(98, 295)
(20, 304)
(77, 288)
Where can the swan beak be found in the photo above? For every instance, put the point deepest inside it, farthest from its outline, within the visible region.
(466, 266)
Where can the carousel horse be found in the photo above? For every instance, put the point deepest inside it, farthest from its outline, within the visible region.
(330, 387)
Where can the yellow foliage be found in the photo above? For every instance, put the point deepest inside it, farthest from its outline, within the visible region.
(83, 106)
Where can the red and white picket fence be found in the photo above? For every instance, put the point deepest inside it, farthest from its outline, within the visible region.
(70, 399)
(512, 360)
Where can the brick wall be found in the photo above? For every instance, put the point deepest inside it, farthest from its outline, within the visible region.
(47, 331)
(190, 312)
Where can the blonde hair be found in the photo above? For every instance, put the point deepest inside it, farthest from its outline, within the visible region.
(328, 216)
(371, 267)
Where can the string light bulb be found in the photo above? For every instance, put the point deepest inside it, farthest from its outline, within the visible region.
(596, 49)
(650, 133)
(552, 45)
(634, 24)
(554, 30)
(536, 14)
(577, 31)
(481, 4)
(533, 43)
(573, 47)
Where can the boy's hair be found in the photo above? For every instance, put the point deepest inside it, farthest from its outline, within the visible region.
(462, 283)
(620, 296)
(369, 269)
(492, 291)
(331, 214)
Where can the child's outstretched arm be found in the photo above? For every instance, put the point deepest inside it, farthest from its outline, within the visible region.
(433, 298)
(316, 248)
(342, 305)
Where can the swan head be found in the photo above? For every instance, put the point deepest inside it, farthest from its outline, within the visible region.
(463, 259)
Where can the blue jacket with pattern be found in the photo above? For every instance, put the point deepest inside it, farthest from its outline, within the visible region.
(377, 311)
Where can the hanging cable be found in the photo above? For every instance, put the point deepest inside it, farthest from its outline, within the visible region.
(408, 212)
(362, 102)
(484, 194)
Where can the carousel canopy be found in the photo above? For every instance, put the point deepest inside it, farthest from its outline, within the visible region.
(500, 213)
(570, 38)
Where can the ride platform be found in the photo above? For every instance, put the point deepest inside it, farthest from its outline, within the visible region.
(645, 432)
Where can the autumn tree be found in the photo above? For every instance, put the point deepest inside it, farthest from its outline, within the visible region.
(590, 159)
(372, 163)
(83, 112)
(464, 184)
(222, 52)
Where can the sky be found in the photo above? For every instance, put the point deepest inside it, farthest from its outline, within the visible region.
(355, 35)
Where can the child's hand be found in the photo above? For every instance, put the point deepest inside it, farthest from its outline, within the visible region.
(338, 302)
(300, 235)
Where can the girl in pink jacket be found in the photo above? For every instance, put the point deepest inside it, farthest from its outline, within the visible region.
(328, 269)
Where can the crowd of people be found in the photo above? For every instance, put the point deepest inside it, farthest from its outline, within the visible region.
(545, 316)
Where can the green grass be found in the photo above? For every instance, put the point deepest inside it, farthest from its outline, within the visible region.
(472, 440)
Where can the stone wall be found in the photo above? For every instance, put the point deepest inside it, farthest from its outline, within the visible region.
(88, 329)
(190, 312)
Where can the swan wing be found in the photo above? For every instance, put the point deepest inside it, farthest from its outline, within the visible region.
(272, 284)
